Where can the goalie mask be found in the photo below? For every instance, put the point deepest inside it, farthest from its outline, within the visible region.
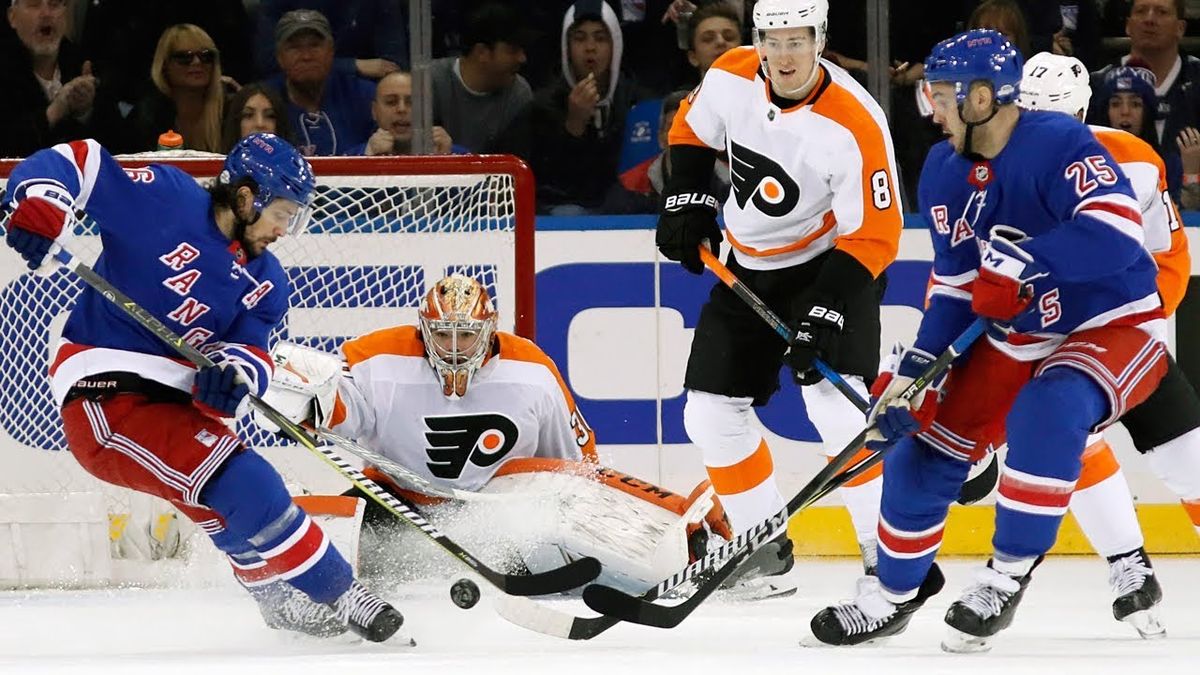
(458, 322)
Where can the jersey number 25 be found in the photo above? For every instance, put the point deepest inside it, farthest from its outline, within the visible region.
(1089, 174)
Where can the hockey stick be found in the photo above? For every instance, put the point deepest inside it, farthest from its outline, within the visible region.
(571, 575)
(743, 291)
(616, 604)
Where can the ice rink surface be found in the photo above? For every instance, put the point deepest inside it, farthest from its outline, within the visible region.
(1063, 626)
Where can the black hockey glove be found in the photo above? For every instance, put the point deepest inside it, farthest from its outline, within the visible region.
(689, 210)
(686, 220)
(819, 323)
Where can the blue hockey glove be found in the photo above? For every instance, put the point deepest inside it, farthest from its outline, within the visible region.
(219, 390)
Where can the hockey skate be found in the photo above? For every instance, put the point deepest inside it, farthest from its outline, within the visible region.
(871, 617)
(1136, 586)
(283, 607)
(985, 608)
(367, 615)
(762, 575)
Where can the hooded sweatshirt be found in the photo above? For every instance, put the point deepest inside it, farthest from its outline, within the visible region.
(579, 170)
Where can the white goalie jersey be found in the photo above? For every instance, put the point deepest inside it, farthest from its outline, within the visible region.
(517, 406)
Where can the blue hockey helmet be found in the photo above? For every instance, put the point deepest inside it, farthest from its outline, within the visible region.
(979, 55)
(278, 170)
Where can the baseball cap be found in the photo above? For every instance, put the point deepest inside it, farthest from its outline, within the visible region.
(300, 20)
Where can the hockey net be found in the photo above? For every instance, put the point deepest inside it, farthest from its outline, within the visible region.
(384, 229)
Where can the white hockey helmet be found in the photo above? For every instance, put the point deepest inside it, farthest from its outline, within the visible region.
(1056, 83)
(774, 14)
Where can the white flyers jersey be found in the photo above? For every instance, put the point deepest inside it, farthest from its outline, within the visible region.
(814, 176)
(516, 406)
(1164, 235)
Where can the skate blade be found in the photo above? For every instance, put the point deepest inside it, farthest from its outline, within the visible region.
(1147, 624)
(758, 589)
(958, 642)
(811, 642)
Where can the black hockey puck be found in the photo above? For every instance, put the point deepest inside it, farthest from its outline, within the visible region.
(464, 593)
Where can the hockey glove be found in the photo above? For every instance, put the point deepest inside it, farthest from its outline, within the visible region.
(818, 328)
(1004, 289)
(686, 220)
(304, 386)
(892, 417)
(34, 226)
(218, 390)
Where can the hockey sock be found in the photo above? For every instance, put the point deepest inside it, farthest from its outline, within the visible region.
(861, 497)
(1103, 505)
(1047, 429)
(256, 507)
(737, 458)
(1177, 463)
(838, 423)
(919, 483)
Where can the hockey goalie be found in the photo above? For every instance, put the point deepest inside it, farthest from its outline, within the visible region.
(486, 413)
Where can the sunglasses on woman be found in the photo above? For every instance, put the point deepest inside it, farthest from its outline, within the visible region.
(206, 56)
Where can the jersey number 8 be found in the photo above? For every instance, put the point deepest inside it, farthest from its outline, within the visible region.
(881, 190)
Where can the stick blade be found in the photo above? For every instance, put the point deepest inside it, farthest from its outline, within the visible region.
(537, 617)
(572, 575)
(619, 605)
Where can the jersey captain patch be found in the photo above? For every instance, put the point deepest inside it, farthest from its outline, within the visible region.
(762, 180)
(482, 439)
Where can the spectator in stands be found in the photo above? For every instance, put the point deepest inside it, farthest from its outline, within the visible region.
(578, 120)
(48, 93)
(713, 29)
(188, 94)
(371, 36)
(1189, 153)
(1155, 28)
(640, 188)
(392, 112)
(120, 36)
(479, 98)
(329, 110)
(1005, 17)
(254, 108)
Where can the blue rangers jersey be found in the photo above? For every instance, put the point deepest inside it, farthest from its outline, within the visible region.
(162, 248)
(1056, 183)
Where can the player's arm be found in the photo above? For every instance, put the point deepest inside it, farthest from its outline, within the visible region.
(688, 214)
(1100, 223)
(563, 430)
(866, 206)
(48, 188)
(1167, 242)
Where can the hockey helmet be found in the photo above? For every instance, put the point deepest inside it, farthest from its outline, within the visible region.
(1056, 83)
(278, 170)
(774, 14)
(457, 321)
(978, 55)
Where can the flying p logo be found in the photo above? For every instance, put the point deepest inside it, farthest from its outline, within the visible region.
(481, 439)
(760, 179)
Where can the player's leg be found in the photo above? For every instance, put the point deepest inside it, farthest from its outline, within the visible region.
(838, 422)
(1103, 506)
(1166, 428)
(734, 365)
(171, 450)
(1086, 384)
(921, 478)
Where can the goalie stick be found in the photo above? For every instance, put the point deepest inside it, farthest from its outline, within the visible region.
(618, 605)
(572, 575)
(789, 336)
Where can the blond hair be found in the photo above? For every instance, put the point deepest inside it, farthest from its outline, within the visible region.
(214, 97)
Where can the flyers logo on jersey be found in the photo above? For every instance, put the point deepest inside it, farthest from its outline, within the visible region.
(481, 439)
(761, 180)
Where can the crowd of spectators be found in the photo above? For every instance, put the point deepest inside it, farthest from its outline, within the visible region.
(583, 90)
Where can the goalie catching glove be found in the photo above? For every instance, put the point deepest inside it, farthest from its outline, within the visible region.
(304, 386)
